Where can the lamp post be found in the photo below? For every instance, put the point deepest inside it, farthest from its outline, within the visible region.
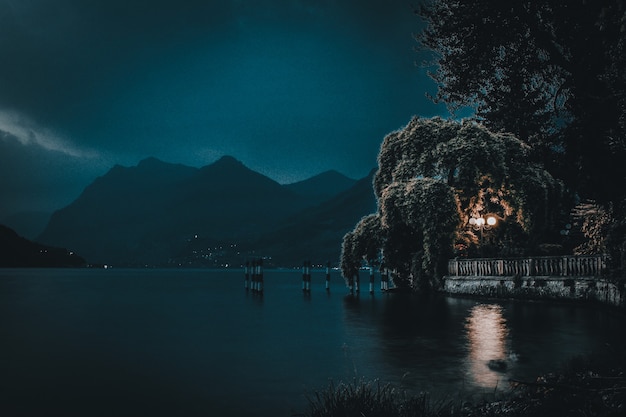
(482, 223)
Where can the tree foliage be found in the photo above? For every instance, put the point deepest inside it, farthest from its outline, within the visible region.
(594, 222)
(362, 243)
(433, 176)
(551, 72)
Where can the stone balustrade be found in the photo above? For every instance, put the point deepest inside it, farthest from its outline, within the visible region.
(545, 266)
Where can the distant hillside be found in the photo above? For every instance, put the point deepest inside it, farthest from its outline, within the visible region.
(316, 234)
(17, 252)
(322, 186)
(149, 214)
(28, 224)
(119, 217)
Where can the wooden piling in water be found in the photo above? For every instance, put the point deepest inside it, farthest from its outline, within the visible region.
(328, 276)
(260, 276)
(371, 280)
(253, 277)
(307, 276)
(384, 280)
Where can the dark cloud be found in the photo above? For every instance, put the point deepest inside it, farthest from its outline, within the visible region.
(289, 87)
(33, 178)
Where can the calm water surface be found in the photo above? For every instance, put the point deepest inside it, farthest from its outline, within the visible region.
(193, 342)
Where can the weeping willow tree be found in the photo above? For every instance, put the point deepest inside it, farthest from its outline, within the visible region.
(433, 176)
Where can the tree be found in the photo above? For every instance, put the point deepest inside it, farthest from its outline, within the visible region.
(551, 72)
(593, 221)
(361, 244)
(433, 176)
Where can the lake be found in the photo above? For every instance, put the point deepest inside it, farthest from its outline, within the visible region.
(129, 342)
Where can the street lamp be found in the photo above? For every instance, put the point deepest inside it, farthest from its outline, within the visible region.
(481, 224)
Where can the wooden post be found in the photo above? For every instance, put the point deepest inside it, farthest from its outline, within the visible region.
(253, 275)
(308, 276)
(383, 277)
(328, 276)
(260, 276)
(257, 275)
(371, 279)
(246, 271)
(356, 282)
(384, 280)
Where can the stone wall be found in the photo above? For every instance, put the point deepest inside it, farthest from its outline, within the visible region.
(537, 287)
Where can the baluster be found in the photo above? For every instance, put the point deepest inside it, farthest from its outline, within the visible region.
(583, 267)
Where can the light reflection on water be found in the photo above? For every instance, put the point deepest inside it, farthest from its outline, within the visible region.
(194, 343)
(487, 341)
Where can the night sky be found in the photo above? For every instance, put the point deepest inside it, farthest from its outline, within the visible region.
(290, 88)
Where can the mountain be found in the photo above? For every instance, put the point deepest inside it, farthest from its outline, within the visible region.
(18, 252)
(115, 218)
(316, 233)
(229, 200)
(159, 214)
(145, 215)
(28, 224)
(322, 186)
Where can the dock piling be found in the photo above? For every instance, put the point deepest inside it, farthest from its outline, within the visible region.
(328, 276)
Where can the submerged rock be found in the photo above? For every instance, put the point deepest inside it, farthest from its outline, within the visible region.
(499, 365)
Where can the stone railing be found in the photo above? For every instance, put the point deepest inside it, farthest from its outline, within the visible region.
(564, 266)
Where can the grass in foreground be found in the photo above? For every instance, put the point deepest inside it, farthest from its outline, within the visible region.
(590, 386)
(371, 399)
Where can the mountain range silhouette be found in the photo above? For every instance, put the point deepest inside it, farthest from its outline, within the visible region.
(163, 214)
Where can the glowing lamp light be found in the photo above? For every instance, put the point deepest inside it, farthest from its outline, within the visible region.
(481, 224)
(481, 221)
(477, 221)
